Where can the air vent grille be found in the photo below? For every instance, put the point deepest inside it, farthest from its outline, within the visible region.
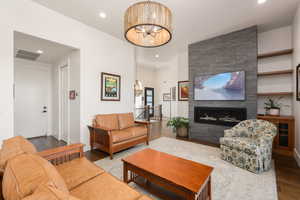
(27, 55)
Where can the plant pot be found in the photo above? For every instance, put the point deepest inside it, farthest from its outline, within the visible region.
(274, 111)
(182, 132)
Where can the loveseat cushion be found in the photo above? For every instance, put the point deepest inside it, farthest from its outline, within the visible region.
(128, 133)
(247, 145)
(126, 120)
(78, 171)
(138, 131)
(13, 147)
(109, 121)
(24, 173)
(49, 192)
(105, 187)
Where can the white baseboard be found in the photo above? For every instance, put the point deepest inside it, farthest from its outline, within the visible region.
(297, 156)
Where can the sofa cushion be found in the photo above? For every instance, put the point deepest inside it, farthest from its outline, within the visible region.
(137, 131)
(121, 136)
(78, 171)
(13, 147)
(24, 173)
(105, 187)
(126, 120)
(109, 122)
(49, 192)
(247, 145)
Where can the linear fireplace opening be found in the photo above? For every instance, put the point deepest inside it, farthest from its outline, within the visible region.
(220, 116)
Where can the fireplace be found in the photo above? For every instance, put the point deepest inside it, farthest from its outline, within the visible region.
(220, 116)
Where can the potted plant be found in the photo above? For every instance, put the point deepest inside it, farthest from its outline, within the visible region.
(180, 125)
(272, 106)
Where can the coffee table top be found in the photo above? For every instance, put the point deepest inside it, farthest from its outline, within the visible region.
(182, 172)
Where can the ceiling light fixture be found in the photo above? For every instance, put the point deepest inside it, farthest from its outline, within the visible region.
(102, 15)
(261, 1)
(40, 51)
(156, 56)
(148, 24)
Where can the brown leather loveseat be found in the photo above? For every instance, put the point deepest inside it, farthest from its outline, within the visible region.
(115, 132)
(29, 175)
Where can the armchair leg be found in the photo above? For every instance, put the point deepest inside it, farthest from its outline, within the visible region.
(147, 142)
(111, 155)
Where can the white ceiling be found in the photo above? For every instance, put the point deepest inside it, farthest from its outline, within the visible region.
(194, 20)
(52, 51)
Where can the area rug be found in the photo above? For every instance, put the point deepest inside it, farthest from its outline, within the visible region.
(228, 181)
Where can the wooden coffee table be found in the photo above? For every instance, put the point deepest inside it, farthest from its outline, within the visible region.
(183, 178)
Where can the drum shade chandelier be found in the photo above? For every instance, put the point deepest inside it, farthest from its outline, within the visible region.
(148, 24)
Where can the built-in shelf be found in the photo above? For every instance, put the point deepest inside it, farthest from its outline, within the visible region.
(275, 53)
(276, 94)
(289, 71)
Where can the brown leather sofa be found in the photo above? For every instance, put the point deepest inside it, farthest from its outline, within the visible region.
(115, 132)
(29, 175)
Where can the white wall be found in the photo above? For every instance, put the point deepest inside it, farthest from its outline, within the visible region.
(99, 52)
(296, 61)
(275, 40)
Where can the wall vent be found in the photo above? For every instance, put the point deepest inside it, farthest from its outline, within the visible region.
(27, 55)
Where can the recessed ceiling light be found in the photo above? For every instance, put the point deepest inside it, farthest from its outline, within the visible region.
(261, 1)
(39, 51)
(102, 15)
(156, 56)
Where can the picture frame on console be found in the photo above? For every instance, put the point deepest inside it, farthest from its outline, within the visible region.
(298, 83)
(183, 90)
(110, 87)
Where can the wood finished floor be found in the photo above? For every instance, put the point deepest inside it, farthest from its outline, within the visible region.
(287, 170)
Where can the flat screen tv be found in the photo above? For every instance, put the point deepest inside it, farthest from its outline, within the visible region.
(229, 86)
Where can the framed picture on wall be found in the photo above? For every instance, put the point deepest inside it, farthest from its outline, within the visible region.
(110, 87)
(183, 90)
(166, 97)
(298, 83)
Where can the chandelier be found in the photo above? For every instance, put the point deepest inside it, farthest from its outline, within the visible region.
(148, 24)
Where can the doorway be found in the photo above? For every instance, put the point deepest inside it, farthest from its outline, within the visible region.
(149, 100)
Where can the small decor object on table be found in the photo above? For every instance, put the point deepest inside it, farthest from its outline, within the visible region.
(298, 83)
(111, 87)
(166, 97)
(272, 106)
(180, 125)
(183, 90)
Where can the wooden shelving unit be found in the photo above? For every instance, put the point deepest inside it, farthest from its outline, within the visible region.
(275, 53)
(276, 94)
(289, 71)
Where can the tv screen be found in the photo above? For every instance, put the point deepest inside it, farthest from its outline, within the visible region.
(225, 86)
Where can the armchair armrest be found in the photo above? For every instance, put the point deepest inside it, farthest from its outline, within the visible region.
(62, 154)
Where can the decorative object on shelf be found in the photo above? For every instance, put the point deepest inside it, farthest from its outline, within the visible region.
(180, 125)
(298, 83)
(148, 24)
(273, 106)
(111, 87)
(72, 95)
(173, 92)
(166, 97)
(183, 90)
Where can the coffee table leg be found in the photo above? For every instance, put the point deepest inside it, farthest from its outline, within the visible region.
(125, 172)
(209, 188)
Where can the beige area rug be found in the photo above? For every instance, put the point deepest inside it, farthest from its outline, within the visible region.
(228, 181)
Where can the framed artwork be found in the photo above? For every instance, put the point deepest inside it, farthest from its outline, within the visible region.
(72, 95)
(166, 97)
(183, 90)
(111, 87)
(298, 83)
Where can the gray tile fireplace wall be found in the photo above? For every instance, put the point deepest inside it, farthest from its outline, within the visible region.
(236, 51)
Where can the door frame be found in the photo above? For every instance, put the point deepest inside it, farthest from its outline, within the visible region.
(145, 97)
(60, 102)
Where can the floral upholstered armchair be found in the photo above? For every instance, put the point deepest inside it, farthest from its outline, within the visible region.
(248, 145)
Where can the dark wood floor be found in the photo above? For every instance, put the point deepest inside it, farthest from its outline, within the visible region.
(287, 170)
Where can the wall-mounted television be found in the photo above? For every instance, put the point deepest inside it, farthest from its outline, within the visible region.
(229, 86)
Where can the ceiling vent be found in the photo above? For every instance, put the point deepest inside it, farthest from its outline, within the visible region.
(27, 55)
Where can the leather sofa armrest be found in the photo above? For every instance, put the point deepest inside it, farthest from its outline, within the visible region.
(142, 122)
(62, 154)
